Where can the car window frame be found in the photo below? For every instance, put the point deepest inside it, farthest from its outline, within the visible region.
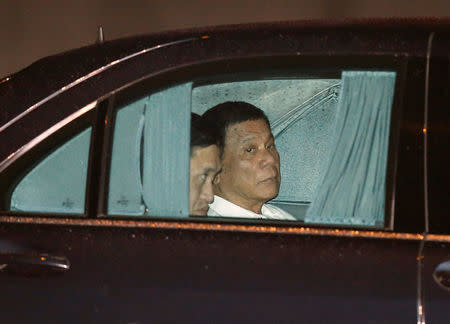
(193, 72)
(27, 160)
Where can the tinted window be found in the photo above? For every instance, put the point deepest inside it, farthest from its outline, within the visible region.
(57, 184)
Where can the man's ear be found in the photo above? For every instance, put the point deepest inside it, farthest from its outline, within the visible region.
(216, 180)
(216, 183)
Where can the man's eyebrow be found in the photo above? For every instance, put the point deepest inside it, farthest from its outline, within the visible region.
(247, 139)
(250, 138)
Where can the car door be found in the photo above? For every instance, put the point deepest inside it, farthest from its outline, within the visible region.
(153, 266)
(437, 248)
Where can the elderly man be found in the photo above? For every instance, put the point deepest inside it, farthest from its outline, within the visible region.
(250, 173)
(204, 166)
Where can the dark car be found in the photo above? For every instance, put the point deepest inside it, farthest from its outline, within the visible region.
(94, 178)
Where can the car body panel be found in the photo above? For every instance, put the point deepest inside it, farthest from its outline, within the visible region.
(148, 274)
(437, 247)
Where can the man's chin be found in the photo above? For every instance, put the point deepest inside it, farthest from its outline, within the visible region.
(268, 193)
(269, 188)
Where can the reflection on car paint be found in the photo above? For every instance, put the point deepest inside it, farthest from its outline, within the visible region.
(15, 155)
(218, 227)
(90, 75)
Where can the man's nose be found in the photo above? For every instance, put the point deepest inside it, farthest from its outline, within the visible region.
(207, 192)
(268, 157)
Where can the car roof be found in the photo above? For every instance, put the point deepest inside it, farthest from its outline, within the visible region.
(47, 75)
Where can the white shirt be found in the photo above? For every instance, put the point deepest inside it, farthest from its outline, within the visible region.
(222, 207)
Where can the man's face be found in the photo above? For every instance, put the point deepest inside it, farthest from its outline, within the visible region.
(204, 167)
(251, 165)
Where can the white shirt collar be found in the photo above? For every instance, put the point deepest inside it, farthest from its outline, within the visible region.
(223, 207)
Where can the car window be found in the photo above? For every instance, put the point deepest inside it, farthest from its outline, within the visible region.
(332, 134)
(301, 113)
(57, 184)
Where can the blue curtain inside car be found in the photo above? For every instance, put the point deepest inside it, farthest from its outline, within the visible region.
(352, 186)
(166, 152)
(150, 156)
(125, 184)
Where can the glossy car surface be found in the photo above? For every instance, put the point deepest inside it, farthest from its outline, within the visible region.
(101, 266)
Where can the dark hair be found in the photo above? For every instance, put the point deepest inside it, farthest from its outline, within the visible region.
(201, 137)
(218, 118)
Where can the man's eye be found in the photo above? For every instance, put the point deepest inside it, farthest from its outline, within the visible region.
(250, 149)
(271, 146)
(203, 176)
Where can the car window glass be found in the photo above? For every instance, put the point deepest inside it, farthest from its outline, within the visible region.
(332, 135)
(57, 184)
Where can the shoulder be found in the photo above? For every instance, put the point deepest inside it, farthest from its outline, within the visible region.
(212, 212)
(279, 213)
(222, 207)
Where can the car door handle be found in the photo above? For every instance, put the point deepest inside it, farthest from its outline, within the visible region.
(33, 264)
(442, 275)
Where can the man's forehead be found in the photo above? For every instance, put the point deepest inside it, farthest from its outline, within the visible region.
(247, 130)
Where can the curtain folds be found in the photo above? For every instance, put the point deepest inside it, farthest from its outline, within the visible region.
(125, 188)
(166, 152)
(352, 187)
